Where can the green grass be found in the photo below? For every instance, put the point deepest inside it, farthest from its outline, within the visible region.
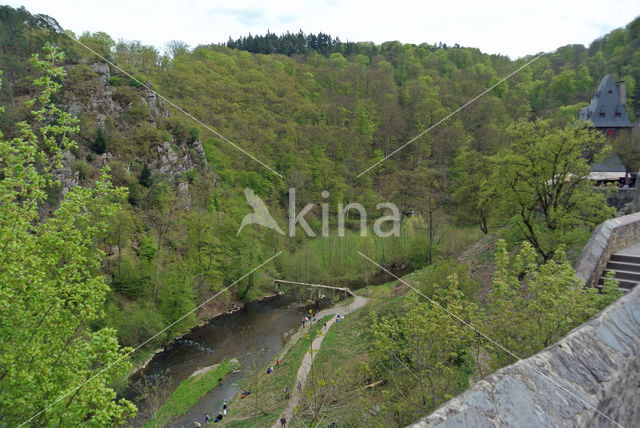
(191, 391)
(267, 390)
(346, 343)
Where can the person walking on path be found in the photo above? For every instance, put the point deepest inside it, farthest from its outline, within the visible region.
(305, 366)
(277, 362)
(283, 421)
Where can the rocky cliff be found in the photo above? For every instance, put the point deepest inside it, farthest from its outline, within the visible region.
(140, 128)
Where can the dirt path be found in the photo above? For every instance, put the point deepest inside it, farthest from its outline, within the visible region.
(305, 367)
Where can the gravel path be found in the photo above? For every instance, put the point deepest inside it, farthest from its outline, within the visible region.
(305, 367)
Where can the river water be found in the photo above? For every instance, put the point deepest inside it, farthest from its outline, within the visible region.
(253, 336)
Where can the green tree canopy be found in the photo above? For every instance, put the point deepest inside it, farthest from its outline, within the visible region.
(54, 369)
(543, 180)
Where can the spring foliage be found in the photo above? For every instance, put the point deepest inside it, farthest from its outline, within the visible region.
(51, 285)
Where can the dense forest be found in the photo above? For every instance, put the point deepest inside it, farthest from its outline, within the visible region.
(318, 112)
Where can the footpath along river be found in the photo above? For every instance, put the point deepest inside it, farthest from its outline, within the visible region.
(253, 336)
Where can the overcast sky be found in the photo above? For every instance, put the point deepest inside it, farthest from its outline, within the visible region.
(510, 28)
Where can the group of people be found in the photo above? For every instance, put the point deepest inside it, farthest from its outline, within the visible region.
(311, 317)
(221, 414)
(270, 369)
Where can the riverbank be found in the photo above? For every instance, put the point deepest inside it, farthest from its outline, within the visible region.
(191, 391)
(143, 358)
(341, 348)
(278, 393)
(216, 309)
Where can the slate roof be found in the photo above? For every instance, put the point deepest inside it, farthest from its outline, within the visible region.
(606, 109)
(611, 163)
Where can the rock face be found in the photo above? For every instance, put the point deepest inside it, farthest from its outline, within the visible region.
(103, 104)
(67, 177)
(155, 104)
(174, 164)
(596, 366)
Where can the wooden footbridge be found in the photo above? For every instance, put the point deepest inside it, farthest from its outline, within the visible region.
(319, 287)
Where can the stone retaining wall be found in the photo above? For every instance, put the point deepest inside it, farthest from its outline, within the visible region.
(599, 362)
(596, 363)
(609, 237)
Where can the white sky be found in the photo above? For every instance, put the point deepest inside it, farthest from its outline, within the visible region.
(513, 28)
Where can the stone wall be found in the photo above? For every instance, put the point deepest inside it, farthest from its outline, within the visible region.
(609, 237)
(597, 363)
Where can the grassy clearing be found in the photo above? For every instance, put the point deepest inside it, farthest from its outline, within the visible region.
(334, 260)
(345, 344)
(191, 391)
(266, 402)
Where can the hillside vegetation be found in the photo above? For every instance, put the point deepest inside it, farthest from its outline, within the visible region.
(319, 112)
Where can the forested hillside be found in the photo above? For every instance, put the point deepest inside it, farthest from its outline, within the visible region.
(319, 112)
(317, 116)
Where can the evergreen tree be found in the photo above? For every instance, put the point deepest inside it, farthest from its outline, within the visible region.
(99, 144)
(145, 176)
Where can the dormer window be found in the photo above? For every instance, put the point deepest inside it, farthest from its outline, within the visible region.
(610, 91)
(601, 113)
(618, 113)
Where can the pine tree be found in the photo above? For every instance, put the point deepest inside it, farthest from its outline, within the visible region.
(145, 176)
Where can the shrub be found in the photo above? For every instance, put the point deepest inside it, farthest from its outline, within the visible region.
(178, 128)
(145, 176)
(99, 144)
(137, 324)
(119, 174)
(135, 195)
(138, 110)
(84, 169)
(81, 81)
(190, 175)
(143, 137)
(194, 132)
(147, 248)
(115, 80)
(125, 95)
(136, 81)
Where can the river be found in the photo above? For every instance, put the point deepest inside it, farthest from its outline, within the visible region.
(253, 336)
